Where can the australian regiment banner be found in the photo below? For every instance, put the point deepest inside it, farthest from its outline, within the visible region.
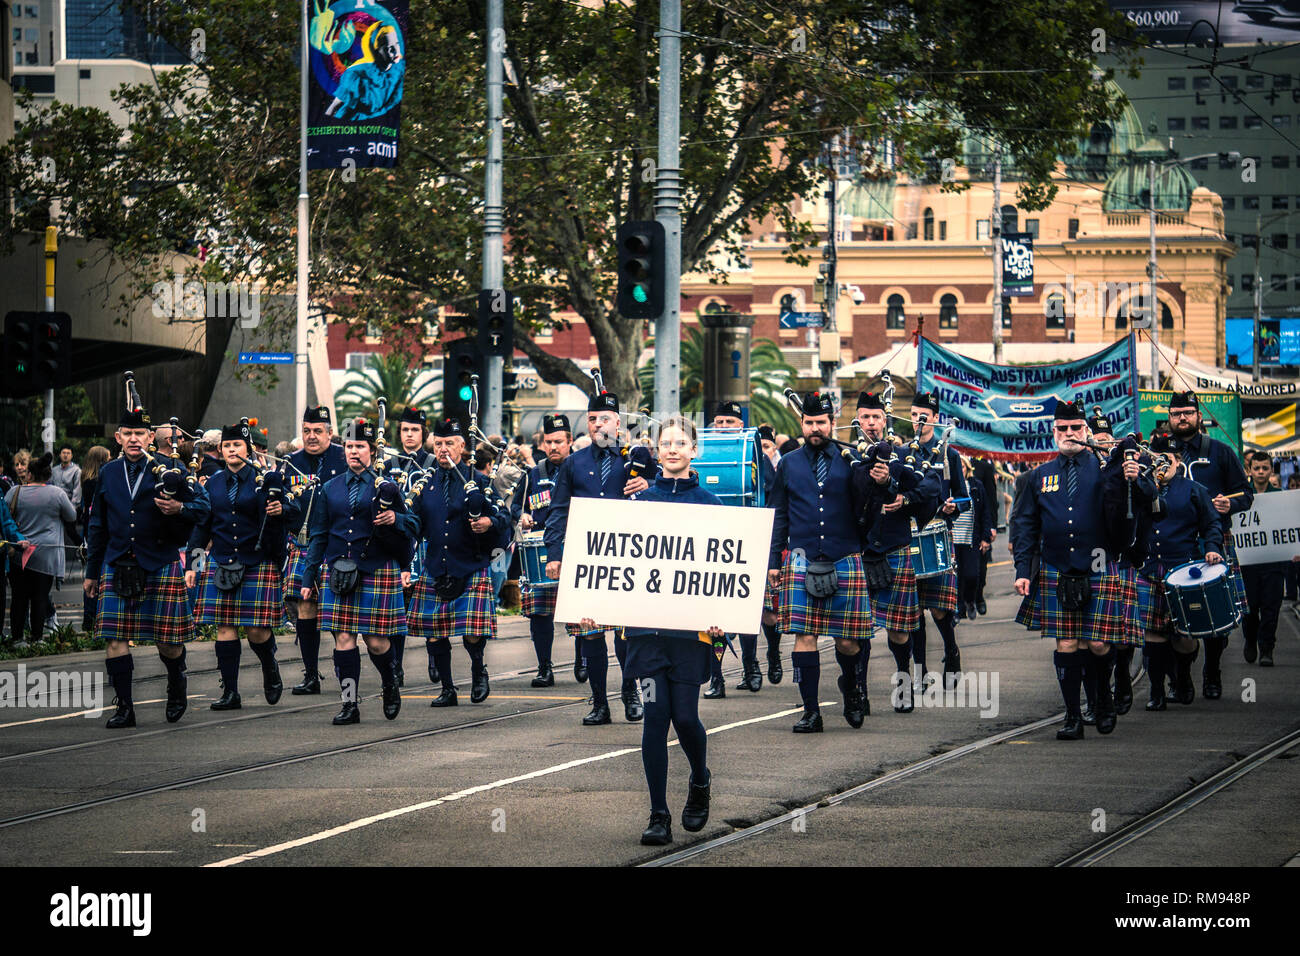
(1005, 411)
(357, 56)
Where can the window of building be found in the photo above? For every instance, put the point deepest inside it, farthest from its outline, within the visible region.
(1176, 124)
(17, 9)
(32, 35)
(1227, 162)
(18, 35)
(911, 231)
(981, 228)
(1178, 83)
(1281, 202)
(1247, 282)
(356, 361)
(1229, 203)
(1282, 120)
(1006, 311)
(1249, 240)
(1276, 282)
(1229, 82)
(1254, 82)
(948, 311)
(1054, 311)
(1074, 228)
(18, 58)
(1249, 202)
(928, 219)
(1281, 81)
(1200, 82)
(1166, 317)
(1252, 122)
(1227, 122)
(32, 58)
(83, 74)
(32, 10)
(894, 316)
(1010, 219)
(1202, 163)
(1031, 227)
(1200, 122)
(943, 230)
(1281, 162)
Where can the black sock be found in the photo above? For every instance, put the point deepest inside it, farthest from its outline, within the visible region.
(918, 644)
(347, 665)
(386, 663)
(864, 655)
(948, 631)
(1102, 665)
(398, 645)
(715, 666)
(308, 631)
(902, 657)
(1070, 675)
(848, 666)
(1084, 658)
(542, 629)
(119, 676)
(475, 649)
(1123, 663)
(1159, 660)
(749, 648)
(807, 674)
(1214, 647)
(175, 665)
(577, 650)
(228, 664)
(440, 653)
(265, 652)
(773, 640)
(596, 654)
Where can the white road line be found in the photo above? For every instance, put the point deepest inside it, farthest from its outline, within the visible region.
(85, 713)
(462, 794)
(138, 852)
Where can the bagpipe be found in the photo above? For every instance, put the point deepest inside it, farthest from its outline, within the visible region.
(174, 480)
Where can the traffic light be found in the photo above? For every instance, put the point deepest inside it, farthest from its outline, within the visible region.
(36, 352)
(641, 254)
(496, 323)
(509, 385)
(53, 338)
(464, 360)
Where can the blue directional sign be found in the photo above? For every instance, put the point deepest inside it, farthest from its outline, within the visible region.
(801, 320)
(265, 358)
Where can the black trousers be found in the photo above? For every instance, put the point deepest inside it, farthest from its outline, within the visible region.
(31, 601)
(1264, 583)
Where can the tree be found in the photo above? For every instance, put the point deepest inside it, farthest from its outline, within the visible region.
(394, 377)
(212, 150)
(769, 375)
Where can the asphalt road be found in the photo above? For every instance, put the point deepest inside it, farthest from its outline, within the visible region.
(518, 780)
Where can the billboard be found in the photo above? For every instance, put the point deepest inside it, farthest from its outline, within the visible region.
(1193, 22)
(1279, 341)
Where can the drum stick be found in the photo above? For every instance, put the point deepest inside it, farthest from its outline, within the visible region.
(1235, 494)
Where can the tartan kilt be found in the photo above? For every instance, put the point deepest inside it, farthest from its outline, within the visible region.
(375, 606)
(162, 616)
(771, 600)
(1128, 580)
(1104, 619)
(473, 614)
(576, 630)
(938, 593)
(257, 603)
(896, 607)
(294, 565)
(1152, 606)
(538, 602)
(1234, 573)
(846, 614)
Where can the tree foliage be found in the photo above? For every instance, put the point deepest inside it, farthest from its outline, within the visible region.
(212, 149)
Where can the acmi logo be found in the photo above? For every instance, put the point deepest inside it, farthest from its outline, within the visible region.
(76, 910)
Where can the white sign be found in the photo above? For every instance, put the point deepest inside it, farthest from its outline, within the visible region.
(1270, 530)
(664, 565)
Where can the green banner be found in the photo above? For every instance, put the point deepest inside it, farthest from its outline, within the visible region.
(1223, 407)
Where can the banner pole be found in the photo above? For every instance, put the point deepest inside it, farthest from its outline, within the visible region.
(300, 331)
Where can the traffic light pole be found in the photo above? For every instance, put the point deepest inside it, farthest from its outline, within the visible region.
(668, 327)
(493, 212)
(51, 251)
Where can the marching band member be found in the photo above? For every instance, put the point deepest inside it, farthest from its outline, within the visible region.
(1215, 467)
(892, 495)
(1103, 435)
(595, 471)
(322, 460)
(454, 594)
(1264, 582)
(939, 593)
(673, 664)
(137, 529)
(241, 586)
(771, 614)
(1184, 527)
(532, 505)
(412, 432)
(365, 538)
(1057, 535)
(823, 589)
(730, 417)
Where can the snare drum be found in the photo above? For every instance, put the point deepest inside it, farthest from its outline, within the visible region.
(532, 558)
(932, 552)
(728, 465)
(1201, 599)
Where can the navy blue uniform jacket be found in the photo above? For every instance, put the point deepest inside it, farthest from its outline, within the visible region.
(121, 524)
(1047, 526)
(339, 530)
(1217, 469)
(454, 549)
(579, 477)
(233, 529)
(823, 521)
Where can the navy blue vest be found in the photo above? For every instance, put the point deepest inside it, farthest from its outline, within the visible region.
(233, 529)
(579, 477)
(121, 524)
(823, 521)
(1065, 535)
(454, 548)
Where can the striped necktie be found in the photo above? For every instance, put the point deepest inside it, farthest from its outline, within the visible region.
(446, 486)
(232, 487)
(1071, 478)
(606, 463)
(133, 470)
(823, 467)
(354, 490)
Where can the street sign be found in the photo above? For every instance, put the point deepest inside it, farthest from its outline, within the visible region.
(801, 320)
(265, 358)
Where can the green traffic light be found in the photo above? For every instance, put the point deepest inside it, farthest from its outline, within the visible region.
(466, 393)
(640, 294)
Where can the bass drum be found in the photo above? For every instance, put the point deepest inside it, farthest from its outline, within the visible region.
(728, 465)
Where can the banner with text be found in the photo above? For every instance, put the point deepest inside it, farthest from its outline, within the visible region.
(664, 565)
(1270, 530)
(1222, 408)
(1005, 411)
(358, 62)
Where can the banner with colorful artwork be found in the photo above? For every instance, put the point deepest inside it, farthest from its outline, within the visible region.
(1005, 411)
(357, 56)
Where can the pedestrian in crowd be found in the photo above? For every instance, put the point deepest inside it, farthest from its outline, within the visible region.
(973, 536)
(21, 460)
(40, 510)
(96, 458)
(11, 551)
(66, 474)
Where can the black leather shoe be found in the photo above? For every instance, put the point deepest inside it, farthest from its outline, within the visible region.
(401, 675)
(599, 715)
(852, 705)
(446, 699)
(633, 710)
(1212, 689)
(696, 812)
(953, 667)
(971, 611)
(1248, 650)
(176, 700)
(1266, 656)
(981, 607)
(1089, 717)
(904, 694)
(123, 717)
(1106, 722)
(230, 700)
(1184, 688)
(960, 613)
(1157, 699)
(660, 830)
(350, 714)
(717, 688)
(809, 723)
(774, 670)
(752, 679)
(480, 688)
(392, 701)
(580, 671)
(310, 685)
(272, 685)
(1123, 689)
(1105, 710)
(545, 675)
(1073, 730)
